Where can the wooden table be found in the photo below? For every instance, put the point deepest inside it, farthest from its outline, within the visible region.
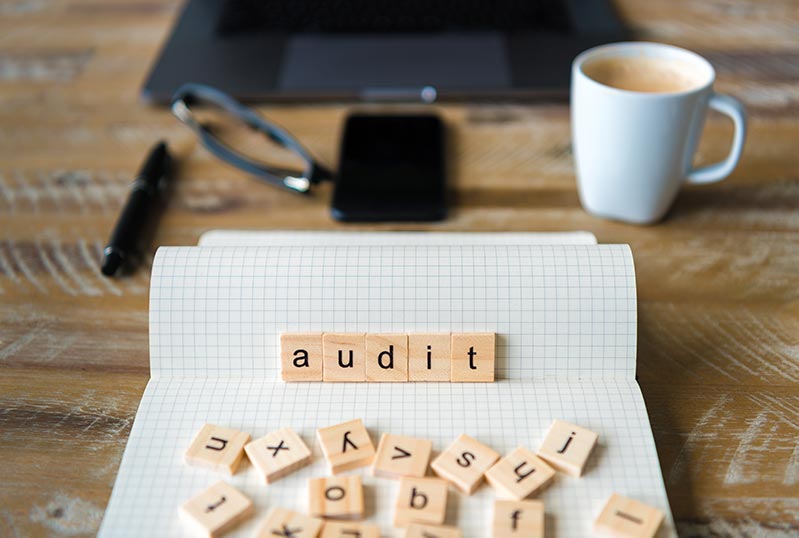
(718, 281)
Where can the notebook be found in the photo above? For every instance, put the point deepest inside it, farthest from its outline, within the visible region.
(565, 319)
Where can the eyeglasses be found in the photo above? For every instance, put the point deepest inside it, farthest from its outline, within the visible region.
(192, 101)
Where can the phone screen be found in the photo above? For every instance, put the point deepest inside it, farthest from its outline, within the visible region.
(391, 168)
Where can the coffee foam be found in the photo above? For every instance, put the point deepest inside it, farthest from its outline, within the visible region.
(644, 74)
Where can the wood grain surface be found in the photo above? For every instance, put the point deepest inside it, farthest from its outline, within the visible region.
(717, 280)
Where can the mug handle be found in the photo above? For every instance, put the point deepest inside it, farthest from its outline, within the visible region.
(711, 173)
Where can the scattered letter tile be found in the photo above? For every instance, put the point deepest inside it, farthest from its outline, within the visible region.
(420, 500)
(301, 356)
(517, 519)
(387, 357)
(398, 455)
(346, 446)
(429, 357)
(567, 447)
(344, 357)
(282, 522)
(464, 463)
(218, 448)
(417, 530)
(519, 474)
(473, 357)
(343, 529)
(278, 453)
(217, 509)
(336, 497)
(627, 518)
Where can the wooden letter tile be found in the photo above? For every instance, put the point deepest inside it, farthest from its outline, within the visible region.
(217, 448)
(519, 474)
(217, 509)
(401, 456)
(278, 453)
(282, 522)
(387, 357)
(567, 447)
(421, 500)
(627, 518)
(346, 446)
(301, 356)
(464, 463)
(336, 497)
(473, 357)
(517, 519)
(429, 357)
(344, 357)
(342, 529)
(417, 530)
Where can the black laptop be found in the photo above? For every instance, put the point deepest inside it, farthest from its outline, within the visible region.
(404, 50)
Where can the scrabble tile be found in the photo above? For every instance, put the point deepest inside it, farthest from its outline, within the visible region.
(301, 356)
(514, 519)
(420, 500)
(336, 497)
(282, 522)
(387, 357)
(473, 357)
(429, 357)
(278, 453)
(417, 530)
(217, 448)
(567, 447)
(519, 474)
(345, 529)
(344, 357)
(464, 463)
(398, 455)
(217, 509)
(346, 446)
(627, 518)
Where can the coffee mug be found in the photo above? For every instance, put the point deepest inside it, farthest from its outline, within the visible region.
(637, 112)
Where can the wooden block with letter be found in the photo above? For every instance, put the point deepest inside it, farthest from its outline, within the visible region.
(519, 474)
(346, 446)
(429, 357)
(387, 357)
(464, 463)
(336, 497)
(344, 357)
(346, 529)
(398, 455)
(217, 509)
(514, 519)
(301, 356)
(418, 530)
(218, 448)
(282, 522)
(567, 447)
(627, 518)
(278, 453)
(473, 357)
(420, 500)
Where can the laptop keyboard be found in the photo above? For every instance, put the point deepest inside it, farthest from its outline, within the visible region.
(392, 16)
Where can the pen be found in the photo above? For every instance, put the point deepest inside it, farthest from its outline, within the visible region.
(144, 202)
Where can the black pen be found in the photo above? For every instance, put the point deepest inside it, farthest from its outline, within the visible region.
(142, 207)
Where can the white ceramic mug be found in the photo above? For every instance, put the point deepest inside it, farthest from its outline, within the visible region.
(633, 150)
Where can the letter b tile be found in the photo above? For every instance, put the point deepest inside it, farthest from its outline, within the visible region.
(421, 500)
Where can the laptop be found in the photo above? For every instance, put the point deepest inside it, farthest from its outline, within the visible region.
(380, 50)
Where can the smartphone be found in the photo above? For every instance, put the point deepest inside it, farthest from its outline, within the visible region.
(391, 168)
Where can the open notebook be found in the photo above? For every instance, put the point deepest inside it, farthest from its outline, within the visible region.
(565, 318)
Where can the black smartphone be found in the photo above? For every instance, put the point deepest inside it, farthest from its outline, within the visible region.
(391, 169)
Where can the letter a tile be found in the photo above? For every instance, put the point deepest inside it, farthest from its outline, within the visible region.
(518, 519)
(519, 474)
(336, 497)
(287, 523)
(398, 455)
(567, 447)
(278, 453)
(473, 357)
(421, 500)
(217, 509)
(345, 529)
(301, 356)
(217, 448)
(344, 357)
(346, 446)
(627, 518)
(387, 357)
(464, 463)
